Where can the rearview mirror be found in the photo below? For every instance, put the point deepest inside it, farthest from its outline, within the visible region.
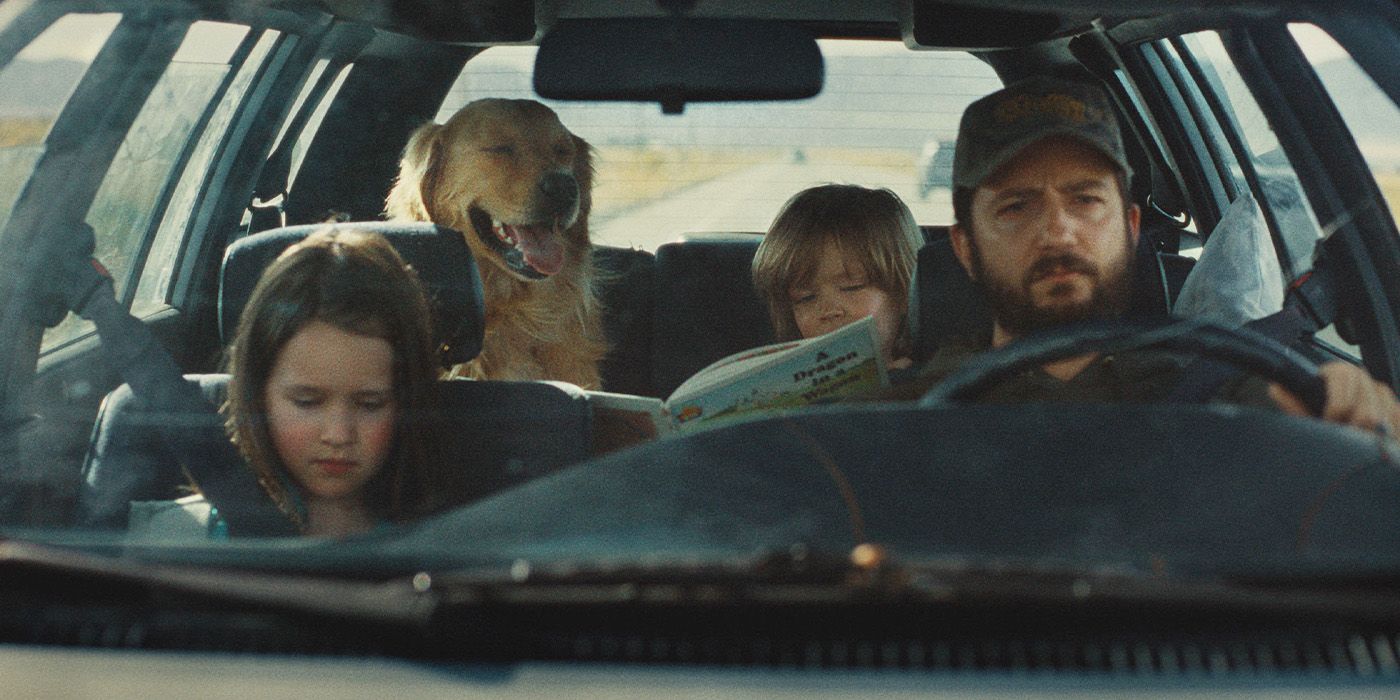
(675, 60)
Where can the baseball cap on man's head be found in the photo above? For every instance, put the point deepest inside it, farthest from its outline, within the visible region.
(997, 127)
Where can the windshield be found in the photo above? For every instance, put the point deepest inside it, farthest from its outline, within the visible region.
(588, 344)
(728, 168)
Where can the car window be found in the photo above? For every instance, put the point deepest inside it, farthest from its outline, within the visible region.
(152, 291)
(880, 120)
(1280, 192)
(1298, 228)
(303, 139)
(33, 89)
(1372, 118)
(133, 189)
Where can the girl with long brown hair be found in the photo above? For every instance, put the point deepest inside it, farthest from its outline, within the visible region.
(329, 418)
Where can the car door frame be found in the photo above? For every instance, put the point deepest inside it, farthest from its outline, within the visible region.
(66, 384)
(1284, 85)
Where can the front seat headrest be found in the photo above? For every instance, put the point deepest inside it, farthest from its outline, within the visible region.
(440, 256)
(944, 303)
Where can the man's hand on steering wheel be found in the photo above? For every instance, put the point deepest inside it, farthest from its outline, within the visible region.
(1353, 398)
(1241, 348)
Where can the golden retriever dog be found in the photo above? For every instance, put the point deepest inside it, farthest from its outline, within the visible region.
(516, 183)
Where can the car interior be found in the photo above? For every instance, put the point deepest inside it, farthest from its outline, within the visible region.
(501, 432)
(1130, 548)
(321, 139)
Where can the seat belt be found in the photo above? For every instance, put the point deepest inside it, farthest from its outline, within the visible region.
(267, 208)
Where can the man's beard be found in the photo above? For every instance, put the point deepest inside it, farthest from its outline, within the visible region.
(1012, 306)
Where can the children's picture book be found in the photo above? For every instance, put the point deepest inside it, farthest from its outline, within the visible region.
(817, 370)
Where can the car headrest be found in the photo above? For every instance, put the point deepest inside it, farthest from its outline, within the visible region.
(626, 287)
(944, 303)
(705, 307)
(440, 256)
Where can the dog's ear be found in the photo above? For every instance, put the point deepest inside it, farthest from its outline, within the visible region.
(419, 171)
(583, 172)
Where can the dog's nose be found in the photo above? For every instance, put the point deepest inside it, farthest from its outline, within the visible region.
(561, 189)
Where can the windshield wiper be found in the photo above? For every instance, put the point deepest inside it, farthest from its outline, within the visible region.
(800, 576)
(76, 575)
(795, 576)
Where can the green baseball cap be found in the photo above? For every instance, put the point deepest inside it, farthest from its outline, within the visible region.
(997, 127)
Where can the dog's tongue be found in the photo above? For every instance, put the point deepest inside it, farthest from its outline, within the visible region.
(542, 247)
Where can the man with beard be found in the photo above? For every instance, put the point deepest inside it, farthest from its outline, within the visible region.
(1045, 229)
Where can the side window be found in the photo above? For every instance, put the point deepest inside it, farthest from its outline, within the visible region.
(157, 271)
(1374, 121)
(308, 131)
(886, 117)
(1281, 192)
(312, 123)
(135, 186)
(33, 89)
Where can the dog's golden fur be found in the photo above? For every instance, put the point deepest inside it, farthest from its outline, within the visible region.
(513, 162)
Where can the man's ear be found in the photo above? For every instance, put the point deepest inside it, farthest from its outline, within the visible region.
(1134, 223)
(962, 247)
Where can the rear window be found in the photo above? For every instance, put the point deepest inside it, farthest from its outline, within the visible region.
(879, 122)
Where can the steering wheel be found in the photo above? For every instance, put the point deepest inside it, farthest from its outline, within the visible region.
(1240, 347)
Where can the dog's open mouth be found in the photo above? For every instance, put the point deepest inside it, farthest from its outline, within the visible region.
(532, 250)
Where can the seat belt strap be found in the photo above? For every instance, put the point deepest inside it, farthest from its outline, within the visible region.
(268, 205)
